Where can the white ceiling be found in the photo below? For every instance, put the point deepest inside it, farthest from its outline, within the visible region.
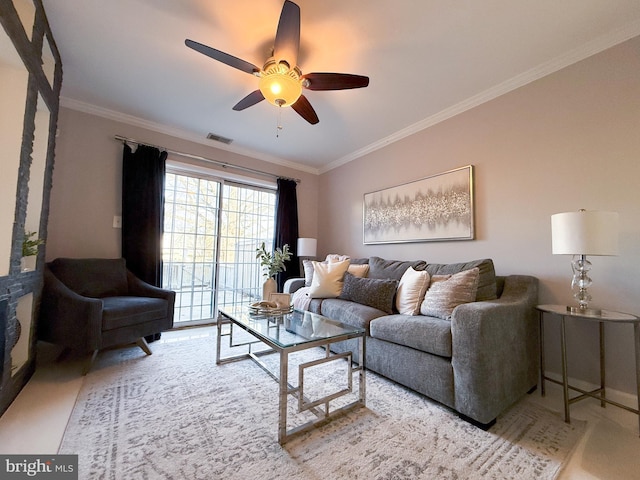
(427, 60)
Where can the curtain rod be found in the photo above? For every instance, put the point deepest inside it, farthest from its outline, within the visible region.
(208, 160)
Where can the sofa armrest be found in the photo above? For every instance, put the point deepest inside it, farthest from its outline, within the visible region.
(292, 285)
(67, 318)
(140, 288)
(495, 349)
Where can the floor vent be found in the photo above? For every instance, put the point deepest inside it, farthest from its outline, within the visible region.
(218, 138)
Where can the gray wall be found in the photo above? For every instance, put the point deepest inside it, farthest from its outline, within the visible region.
(567, 141)
(87, 182)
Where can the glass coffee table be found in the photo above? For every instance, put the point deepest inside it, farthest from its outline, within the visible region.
(285, 333)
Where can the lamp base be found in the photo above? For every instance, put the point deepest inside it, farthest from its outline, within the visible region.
(584, 311)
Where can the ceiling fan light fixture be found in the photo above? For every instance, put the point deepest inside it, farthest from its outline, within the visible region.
(281, 80)
(279, 84)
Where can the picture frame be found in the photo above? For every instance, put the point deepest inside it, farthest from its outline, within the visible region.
(435, 208)
(282, 300)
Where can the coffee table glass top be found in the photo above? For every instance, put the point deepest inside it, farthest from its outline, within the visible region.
(290, 329)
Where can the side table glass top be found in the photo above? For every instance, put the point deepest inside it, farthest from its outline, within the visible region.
(289, 329)
(605, 315)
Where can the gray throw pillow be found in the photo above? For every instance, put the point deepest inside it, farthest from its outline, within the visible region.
(376, 293)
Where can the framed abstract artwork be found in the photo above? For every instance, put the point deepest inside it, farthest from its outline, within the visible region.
(435, 208)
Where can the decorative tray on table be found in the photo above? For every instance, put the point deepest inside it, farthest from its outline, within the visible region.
(269, 308)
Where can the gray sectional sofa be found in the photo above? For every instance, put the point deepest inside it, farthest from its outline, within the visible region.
(478, 362)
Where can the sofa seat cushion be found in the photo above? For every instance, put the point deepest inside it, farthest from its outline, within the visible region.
(427, 334)
(121, 312)
(351, 313)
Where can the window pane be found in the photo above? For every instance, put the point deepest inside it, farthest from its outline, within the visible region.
(190, 242)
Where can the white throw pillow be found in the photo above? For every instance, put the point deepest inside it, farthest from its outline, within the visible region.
(448, 291)
(327, 279)
(308, 272)
(411, 290)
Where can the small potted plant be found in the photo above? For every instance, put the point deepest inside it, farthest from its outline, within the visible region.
(30, 249)
(272, 264)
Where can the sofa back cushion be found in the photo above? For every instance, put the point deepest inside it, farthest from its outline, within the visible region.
(92, 277)
(487, 289)
(392, 269)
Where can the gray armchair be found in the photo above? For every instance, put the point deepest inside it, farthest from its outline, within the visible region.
(95, 303)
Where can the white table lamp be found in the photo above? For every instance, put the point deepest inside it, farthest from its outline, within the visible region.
(580, 234)
(307, 247)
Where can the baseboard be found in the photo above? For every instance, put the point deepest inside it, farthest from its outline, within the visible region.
(623, 398)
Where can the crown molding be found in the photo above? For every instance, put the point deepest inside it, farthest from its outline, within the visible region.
(174, 132)
(584, 51)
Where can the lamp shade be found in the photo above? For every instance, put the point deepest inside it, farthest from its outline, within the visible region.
(584, 233)
(307, 247)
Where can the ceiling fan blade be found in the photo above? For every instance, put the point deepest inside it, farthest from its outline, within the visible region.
(305, 110)
(249, 100)
(287, 43)
(222, 57)
(335, 81)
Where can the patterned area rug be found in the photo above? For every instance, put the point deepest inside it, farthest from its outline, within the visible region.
(176, 415)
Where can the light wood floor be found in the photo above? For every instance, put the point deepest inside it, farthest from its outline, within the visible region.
(36, 420)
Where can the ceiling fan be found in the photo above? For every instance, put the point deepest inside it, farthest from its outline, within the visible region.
(281, 80)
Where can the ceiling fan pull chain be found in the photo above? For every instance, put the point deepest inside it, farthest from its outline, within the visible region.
(279, 125)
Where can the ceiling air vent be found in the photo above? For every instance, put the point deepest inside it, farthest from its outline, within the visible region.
(218, 138)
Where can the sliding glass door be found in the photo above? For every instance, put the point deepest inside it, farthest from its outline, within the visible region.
(211, 232)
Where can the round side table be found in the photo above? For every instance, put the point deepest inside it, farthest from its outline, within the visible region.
(605, 316)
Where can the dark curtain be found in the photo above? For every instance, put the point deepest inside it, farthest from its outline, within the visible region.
(143, 175)
(143, 211)
(287, 227)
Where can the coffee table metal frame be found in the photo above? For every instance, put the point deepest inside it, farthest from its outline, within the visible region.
(237, 317)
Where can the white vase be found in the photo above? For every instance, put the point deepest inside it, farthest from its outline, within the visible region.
(270, 286)
(28, 264)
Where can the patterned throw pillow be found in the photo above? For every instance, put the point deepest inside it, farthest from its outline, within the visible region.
(486, 279)
(411, 290)
(373, 292)
(448, 291)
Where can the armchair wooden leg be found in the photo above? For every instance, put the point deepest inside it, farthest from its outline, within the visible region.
(90, 363)
(142, 343)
